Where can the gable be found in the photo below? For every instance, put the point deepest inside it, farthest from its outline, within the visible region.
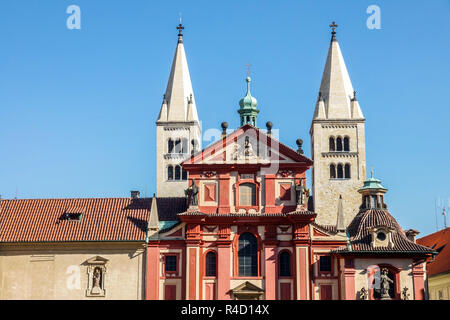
(247, 145)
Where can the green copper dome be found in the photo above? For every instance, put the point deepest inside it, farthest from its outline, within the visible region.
(248, 110)
(372, 183)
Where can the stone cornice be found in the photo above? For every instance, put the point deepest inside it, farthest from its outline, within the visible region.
(339, 154)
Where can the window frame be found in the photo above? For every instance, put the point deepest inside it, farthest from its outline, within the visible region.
(169, 273)
(325, 273)
(253, 256)
(205, 265)
(285, 251)
(237, 185)
(170, 171)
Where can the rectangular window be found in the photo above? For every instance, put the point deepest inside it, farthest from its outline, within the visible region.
(324, 264)
(170, 264)
(247, 194)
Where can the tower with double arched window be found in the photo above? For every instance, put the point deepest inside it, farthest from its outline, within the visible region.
(337, 143)
(178, 131)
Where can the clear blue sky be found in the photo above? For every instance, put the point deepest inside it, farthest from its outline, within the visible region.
(78, 107)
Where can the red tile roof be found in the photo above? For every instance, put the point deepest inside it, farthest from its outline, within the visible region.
(108, 219)
(438, 241)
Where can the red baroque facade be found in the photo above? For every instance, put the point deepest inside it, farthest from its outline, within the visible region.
(248, 233)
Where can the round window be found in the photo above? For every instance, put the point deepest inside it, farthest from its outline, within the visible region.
(381, 236)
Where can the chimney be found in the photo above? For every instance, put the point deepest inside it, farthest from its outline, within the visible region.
(135, 194)
(411, 235)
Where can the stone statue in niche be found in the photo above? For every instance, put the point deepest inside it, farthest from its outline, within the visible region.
(193, 194)
(235, 154)
(97, 281)
(299, 191)
(385, 284)
(248, 149)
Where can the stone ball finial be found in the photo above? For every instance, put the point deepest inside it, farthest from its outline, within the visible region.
(299, 145)
(269, 126)
(224, 125)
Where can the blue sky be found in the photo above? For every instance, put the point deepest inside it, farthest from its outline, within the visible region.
(78, 107)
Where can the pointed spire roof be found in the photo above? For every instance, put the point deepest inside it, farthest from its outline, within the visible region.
(336, 87)
(179, 96)
(340, 225)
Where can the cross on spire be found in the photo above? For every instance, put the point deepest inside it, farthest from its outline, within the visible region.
(180, 29)
(333, 26)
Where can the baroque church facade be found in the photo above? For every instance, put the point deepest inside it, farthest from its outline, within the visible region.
(234, 220)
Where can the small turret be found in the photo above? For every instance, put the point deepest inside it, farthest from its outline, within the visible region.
(248, 111)
(373, 194)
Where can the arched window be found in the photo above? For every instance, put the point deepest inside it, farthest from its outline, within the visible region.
(178, 146)
(184, 174)
(340, 172)
(332, 171)
(347, 171)
(339, 144)
(347, 144)
(170, 146)
(285, 264)
(247, 194)
(169, 173)
(185, 146)
(177, 173)
(211, 264)
(248, 255)
(332, 145)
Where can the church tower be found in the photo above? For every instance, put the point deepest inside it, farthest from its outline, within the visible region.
(337, 144)
(178, 131)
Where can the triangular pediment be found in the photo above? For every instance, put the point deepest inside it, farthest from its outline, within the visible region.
(247, 287)
(248, 145)
(97, 260)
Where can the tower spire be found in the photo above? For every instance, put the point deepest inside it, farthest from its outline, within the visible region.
(179, 96)
(336, 87)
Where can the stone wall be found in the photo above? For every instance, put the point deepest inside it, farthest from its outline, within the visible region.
(60, 271)
(326, 191)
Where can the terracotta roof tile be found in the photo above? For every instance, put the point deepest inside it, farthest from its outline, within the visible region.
(438, 241)
(108, 219)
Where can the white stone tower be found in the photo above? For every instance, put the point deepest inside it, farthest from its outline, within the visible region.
(337, 144)
(178, 131)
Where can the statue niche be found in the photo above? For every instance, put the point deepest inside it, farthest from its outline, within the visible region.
(96, 272)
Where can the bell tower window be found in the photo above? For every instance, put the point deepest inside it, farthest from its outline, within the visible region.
(340, 172)
(339, 144)
(332, 144)
(332, 171)
(347, 171)
(169, 173)
(347, 144)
